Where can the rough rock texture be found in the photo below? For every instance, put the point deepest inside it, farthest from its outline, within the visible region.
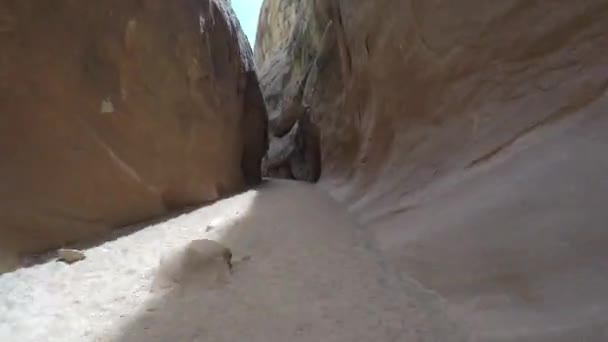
(302, 271)
(286, 59)
(118, 111)
(296, 154)
(468, 136)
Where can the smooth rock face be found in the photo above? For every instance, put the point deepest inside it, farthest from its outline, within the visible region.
(463, 134)
(118, 111)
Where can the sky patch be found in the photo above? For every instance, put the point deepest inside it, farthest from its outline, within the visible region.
(248, 12)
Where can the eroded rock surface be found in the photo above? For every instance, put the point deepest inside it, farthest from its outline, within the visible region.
(118, 111)
(457, 132)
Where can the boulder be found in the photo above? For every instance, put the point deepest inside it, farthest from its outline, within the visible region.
(290, 55)
(295, 155)
(118, 111)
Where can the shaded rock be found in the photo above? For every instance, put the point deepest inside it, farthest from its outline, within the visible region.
(119, 111)
(276, 161)
(296, 75)
(305, 162)
(255, 135)
(297, 154)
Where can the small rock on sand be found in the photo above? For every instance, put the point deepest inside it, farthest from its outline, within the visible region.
(70, 256)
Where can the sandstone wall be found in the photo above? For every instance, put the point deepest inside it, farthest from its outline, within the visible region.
(458, 132)
(118, 111)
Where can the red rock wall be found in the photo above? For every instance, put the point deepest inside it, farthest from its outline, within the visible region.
(118, 111)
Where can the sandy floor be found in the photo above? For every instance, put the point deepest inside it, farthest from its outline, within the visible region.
(302, 272)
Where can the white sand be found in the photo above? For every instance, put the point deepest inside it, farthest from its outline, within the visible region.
(308, 275)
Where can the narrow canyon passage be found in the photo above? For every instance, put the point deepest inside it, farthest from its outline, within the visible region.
(352, 171)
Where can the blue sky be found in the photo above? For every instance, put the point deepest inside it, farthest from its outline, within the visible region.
(247, 11)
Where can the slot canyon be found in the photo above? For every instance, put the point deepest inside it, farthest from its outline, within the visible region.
(389, 170)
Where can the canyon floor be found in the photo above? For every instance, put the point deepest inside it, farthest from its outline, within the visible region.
(302, 270)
